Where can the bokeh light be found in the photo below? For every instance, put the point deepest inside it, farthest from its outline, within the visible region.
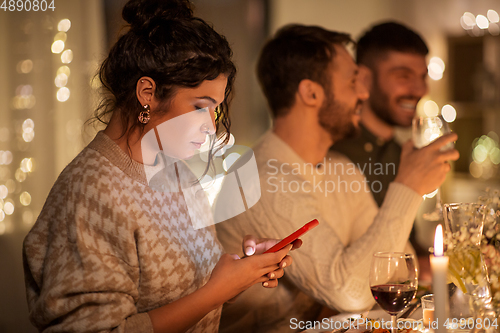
(495, 155)
(64, 25)
(27, 165)
(28, 136)
(4, 192)
(11, 185)
(479, 154)
(63, 94)
(25, 199)
(482, 22)
(28, 130)
(476, 170)
(476, 32)
(24, 66)
(61, 80)
(431, 109)
(493, 16)
(20, 175)
(67, 57)
(28, 124)
(24, 90)
(464, 25)
(60, 36)
(494, 29)
(485, 156)
(436, 68)
(469, 19)
(8, 207)
(449, 113)
(64, 70)
(6, 157)
(57, 46)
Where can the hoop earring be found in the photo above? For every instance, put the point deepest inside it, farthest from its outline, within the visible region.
(145, 115)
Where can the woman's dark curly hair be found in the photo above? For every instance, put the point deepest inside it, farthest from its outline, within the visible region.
(164, 42)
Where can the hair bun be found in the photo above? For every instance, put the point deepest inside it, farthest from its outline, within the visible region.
(138, 13)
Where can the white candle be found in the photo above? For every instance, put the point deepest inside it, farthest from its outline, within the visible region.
(439, 265)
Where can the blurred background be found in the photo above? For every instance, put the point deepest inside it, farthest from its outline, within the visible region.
(48, 60)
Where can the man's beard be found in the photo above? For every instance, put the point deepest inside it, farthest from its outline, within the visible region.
(336, 119)
(379, 103)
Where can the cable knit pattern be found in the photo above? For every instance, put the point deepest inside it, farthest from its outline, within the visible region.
(107, 248)
(332, 266)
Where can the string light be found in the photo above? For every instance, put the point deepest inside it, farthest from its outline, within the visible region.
(67, 57)
(449, 113)
(64, 25)
(436, 68)
(477, 25)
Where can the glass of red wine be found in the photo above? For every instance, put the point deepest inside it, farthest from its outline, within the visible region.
(393, 281)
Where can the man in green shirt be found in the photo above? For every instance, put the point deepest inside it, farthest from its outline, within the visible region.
(392, 65)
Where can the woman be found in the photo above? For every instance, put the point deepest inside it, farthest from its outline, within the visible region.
(110, 253)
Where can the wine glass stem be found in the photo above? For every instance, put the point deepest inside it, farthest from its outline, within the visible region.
(394, 328)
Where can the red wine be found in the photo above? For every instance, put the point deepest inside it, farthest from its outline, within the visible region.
(393, 297)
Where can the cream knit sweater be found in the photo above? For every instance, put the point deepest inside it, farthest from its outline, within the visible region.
(332, 266)
(107, 248)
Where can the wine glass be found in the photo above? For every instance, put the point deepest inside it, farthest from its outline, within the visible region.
(424, 131)
(393, 282)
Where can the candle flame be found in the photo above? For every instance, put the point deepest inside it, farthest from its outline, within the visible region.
(438, 241)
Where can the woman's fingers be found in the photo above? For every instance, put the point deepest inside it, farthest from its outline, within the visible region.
(276, 274)
(287, 261)
(273, 261)
(296, 244)
(270, 261)
(265, 244)
(252, 245)
(249, 244)
(270, 284)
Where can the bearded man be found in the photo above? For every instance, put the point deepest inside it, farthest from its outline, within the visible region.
(314, 94)
(391, 60)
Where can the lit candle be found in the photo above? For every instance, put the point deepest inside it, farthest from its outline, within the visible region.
(439, 265)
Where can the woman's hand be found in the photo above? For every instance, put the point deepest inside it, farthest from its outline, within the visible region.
(233, 275)
(230, 277)
(252, 245)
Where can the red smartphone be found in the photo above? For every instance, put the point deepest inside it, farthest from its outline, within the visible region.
(308, 226)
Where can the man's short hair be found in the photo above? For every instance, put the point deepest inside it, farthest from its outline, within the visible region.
(385, 37)
(295, 53)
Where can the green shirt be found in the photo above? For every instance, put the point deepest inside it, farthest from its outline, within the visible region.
(378, 160)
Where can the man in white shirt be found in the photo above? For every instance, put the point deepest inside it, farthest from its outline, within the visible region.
(311, 84)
